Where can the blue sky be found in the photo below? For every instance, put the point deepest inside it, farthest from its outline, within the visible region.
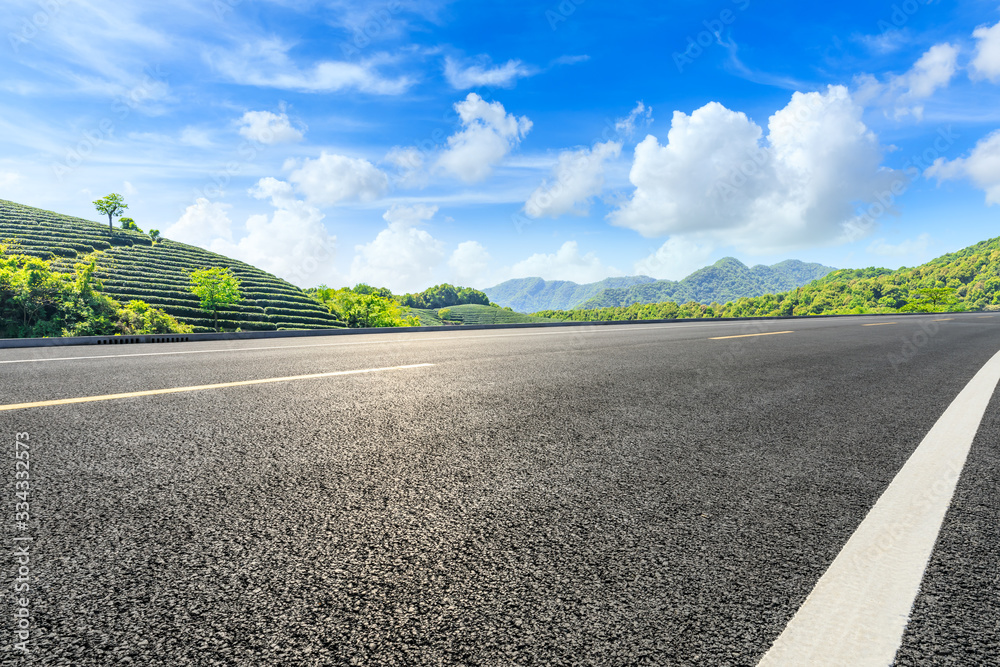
(408, 143)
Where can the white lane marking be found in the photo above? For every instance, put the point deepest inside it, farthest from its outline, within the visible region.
(200, 387)
(470, 335)
(857, 613)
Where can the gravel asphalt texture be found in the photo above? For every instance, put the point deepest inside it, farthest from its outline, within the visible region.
(585, 496)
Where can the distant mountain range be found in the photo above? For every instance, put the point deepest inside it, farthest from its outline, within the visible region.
(724, 281)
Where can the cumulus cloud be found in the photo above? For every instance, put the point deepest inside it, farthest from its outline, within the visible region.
(268, 128)
(675, 259)
(986, 62)
(331, 178)
(402, 257)
(469, 264)
(464, 76)
(917, 246)
(565, 264)
(718, 175)
(266, 63)
(202, 223)
(981, 166)
(292, 242)
(578, 177)
(488, 134)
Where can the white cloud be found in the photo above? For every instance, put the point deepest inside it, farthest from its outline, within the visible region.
(917, 246)
(675, 259)
(904, 93)
(279, 192)
(462, 77)
(641, 113)
(409, 164)
(579, 176)
(888, 41)
(565, 264)
(266, 63)
(292, 243)
(402, 257)
(331, 178)
(982, 167)
(718, 176)
(469, 264)
(202, 223)
(488, 134)
(268, 128)
(932, 71)
(986, 62)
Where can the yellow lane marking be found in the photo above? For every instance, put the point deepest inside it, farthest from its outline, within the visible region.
(771, 333)
(943, 319)
(202, 387)
(878, 324)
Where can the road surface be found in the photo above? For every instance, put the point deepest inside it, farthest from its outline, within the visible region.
(653, 494)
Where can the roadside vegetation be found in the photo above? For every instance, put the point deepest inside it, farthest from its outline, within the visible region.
(36, 302)
(367, 306)
(132, 265)
(965, 280)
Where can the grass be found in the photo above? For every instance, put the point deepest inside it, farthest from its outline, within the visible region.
(130, 267)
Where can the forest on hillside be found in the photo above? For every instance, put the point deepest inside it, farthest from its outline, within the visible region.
(965, 280)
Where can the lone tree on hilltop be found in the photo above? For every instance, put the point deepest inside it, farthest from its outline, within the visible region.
(112, 205)
(217, 288)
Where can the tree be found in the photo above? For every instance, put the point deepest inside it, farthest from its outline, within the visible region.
(931, 299)
(364, 306)
(154, 235)
(129, 223)
(217, 288)
(112, 205)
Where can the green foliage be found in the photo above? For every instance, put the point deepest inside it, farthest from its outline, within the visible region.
(36, 301)
(112, 205)
(725, 280)
(444, 313)
(131, 267)
(368, 307)
(965, 280)
(444, 295)
(154, 235)
(216, 288)
(362, 288)
(129, 224)
(932, 300)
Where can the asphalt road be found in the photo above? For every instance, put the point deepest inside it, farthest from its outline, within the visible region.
(640, 495)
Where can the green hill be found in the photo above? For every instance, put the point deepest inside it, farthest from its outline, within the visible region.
(968, 279)
(130, 267)
(724, 281)
(531, 294)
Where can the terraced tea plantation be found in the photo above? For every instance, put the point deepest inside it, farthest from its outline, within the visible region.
(476, 314)
(131, 267)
